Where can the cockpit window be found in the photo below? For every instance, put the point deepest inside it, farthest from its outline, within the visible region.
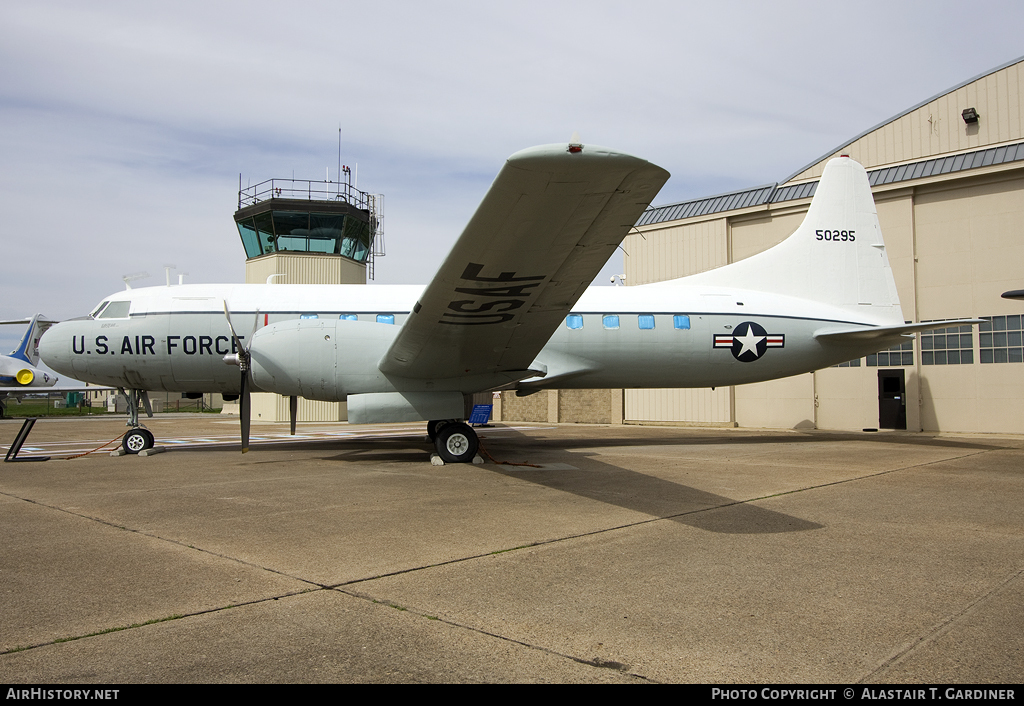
(98, 309)
(115, 310)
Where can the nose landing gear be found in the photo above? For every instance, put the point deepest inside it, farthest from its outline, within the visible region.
(138, 438)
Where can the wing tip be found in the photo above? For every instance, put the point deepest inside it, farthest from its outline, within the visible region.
(568, 153)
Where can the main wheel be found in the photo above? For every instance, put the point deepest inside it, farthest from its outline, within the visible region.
(137, 440)
(456, 443)
(432, 427)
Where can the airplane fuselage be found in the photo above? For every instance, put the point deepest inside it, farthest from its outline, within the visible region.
(665, 335)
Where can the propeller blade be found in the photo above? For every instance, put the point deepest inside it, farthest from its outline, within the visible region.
(255, 325)
(293, 411)
(238, 343)
(243, 410)
(243, 358)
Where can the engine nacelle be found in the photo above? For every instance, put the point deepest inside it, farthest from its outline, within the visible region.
(394, 407)
(320, 359)
(16, 372)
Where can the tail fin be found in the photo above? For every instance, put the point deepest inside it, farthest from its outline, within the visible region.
(836, 256)
(28, 349)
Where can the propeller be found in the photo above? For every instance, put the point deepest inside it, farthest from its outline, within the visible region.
(242, 359)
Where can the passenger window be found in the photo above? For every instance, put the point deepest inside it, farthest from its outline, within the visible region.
(309, 316)
(681, 321)
(349, 317)
(611, 321)
(385, 318)
(645, 321)
(574, 321)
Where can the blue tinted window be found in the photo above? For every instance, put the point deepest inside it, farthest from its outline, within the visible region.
(385, 318)
(611, 321)
(681, 321)
(645, 321)
(574, 321)
(349, 317)
(250, 240)
(308, 316)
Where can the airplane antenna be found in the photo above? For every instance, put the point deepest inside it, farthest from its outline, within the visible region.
(167, 273)
(128, 279)
(181, 277)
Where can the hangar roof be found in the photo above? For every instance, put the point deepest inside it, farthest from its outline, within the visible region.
(906, 167)
(901, 114)
(774, 193)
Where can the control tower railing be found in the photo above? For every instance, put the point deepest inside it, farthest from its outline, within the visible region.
(304, 189)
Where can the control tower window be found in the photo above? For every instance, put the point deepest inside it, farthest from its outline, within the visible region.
(265, 230)
(250, 240)
(325, 232)
(298, 231)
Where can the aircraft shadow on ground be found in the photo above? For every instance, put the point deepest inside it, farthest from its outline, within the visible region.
(660, 498)
(801, 437)
(617, 486)
(604, 483)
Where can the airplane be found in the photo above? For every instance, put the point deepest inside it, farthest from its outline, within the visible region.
(510, 308)
(20, 374)
(19, 371)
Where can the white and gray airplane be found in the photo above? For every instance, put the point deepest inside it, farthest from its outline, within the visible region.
(510, 308)
(19, 369)
(20, 373)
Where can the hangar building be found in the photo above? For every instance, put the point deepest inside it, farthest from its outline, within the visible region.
(948, 181)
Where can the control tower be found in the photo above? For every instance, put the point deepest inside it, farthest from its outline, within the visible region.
(307, 232)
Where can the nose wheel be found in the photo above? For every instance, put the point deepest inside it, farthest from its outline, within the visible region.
(456, 443)
(136, 440)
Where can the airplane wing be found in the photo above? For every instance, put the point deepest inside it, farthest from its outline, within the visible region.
(548, 224)
(58, 389)
(30, 319)
(882, 333)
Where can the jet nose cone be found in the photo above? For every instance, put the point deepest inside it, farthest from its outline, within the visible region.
(55, 348)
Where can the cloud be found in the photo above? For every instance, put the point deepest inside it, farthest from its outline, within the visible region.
(125, 126)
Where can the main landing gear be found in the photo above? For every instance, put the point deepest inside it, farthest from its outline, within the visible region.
(138, 438)
(455, 441)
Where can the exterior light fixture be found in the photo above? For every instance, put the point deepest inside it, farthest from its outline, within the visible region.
(970, 116)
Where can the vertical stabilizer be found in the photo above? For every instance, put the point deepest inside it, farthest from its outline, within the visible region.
(837, 256)
(28, 349)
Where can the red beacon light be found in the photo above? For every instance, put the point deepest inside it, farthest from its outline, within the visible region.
(574, 148)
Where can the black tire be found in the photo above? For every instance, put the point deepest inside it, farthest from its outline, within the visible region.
(456, 443)
(137, 440)
(433, 426)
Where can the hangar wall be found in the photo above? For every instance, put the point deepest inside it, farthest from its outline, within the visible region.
(954, 230)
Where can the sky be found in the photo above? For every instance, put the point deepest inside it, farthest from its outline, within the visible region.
(124, 126)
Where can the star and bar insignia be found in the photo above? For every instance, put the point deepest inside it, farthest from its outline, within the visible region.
(749, 341)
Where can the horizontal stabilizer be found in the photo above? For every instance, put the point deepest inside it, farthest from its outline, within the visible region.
(860, 334)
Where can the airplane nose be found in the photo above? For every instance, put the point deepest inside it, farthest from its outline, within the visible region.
(55, 349)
